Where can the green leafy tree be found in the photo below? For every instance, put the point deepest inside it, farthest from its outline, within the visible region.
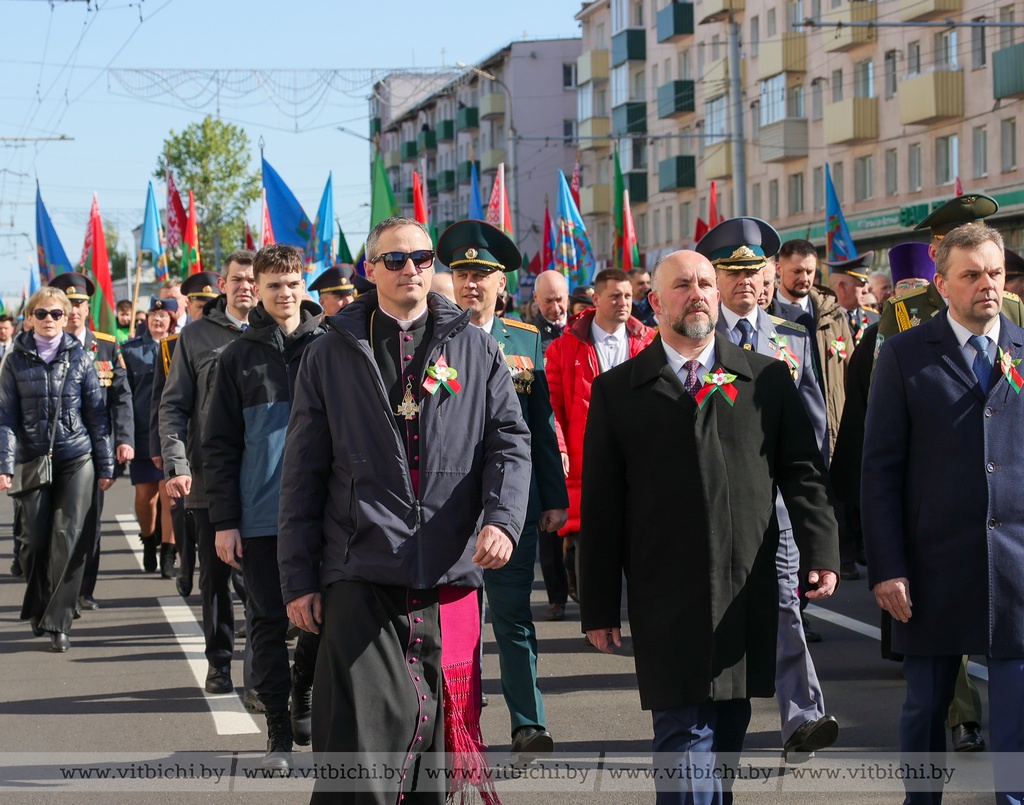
(118, 258)
(211, 159)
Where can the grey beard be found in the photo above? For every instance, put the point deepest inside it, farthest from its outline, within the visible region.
(697, 330)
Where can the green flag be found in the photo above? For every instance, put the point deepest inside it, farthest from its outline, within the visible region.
(617, 206)
(344, 253)
(382, 197)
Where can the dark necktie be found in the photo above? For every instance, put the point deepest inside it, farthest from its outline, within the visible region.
(982, 362)
(854, 322)
(692, 382)
(746, 334)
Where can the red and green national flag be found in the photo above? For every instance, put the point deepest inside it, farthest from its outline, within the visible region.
(618, 211)
(190, 261)
(95, 263)
(630, 257)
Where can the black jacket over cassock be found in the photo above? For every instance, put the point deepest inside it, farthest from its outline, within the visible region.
(688, 514)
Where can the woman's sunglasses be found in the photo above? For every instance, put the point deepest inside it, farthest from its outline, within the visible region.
(395, 261)
(41, 314)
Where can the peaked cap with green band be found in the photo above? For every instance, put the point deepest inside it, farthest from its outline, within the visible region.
(858, 267)
(965, 209)
(739, 244)
(478, 246)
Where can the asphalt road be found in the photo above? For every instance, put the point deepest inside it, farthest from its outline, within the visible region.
(128, 697)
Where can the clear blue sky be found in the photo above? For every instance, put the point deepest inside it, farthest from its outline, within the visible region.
(55, 80)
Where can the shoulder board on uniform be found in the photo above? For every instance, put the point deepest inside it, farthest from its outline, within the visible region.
(165, 352)
(892, 300)
(792, 325)
(1011, 296)
(104, 337)
(522, 325)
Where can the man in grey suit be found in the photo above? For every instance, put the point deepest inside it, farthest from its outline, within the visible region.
(805, 725)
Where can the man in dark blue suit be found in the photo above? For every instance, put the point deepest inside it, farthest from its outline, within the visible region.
(942, 511)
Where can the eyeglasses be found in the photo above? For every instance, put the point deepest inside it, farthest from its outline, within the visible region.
(395, 261)
(41, 314)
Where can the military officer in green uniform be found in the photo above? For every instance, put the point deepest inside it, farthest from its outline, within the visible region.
(117, 397)
(479, 255)
(909, 309)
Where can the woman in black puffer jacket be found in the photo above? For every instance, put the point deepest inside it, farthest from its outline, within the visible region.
(40, 365)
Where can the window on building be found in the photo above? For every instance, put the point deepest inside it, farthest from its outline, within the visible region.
(604, 238)
(585, 101)
(639, 88)
(716, 111)
(818, 188)
(864, 79)
(914, 167)
(633, 155)
(796, 194)
(838, 181)
(1008, 144)
(773, 200)
(716, 47)
(1006, 34)
(656, 228)
(816, 10)
(773, 99)
(947, 159)
(863, 178)
(569, 75)
(770, 26)
(654, 77)
(620, 15)
(669, 217)
(568, 131)
(755, 35)
(601, 102)
(641, 230)
(620, 85)
(891, 182)
(700, 60)
(914, 58)
(945, 50)
(686, 142)
(600, 37)
(795, 12)
(684, 66)
(755, 120)
(837, 86)
(890, 73)
(685, 222)
(795, 101)
(979, 56)
(817, 99)
(637, 13)
(755, 199)
(699, 131)
(979, 144)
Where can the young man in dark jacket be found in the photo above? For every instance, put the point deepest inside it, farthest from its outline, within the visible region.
(406, 473)
(243, 447)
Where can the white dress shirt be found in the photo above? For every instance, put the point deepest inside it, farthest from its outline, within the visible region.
(612, 348)
(678, 362)
(732, 319)
(963, 334)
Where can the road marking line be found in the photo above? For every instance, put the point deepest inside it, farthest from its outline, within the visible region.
(975, 669)
(229, 715)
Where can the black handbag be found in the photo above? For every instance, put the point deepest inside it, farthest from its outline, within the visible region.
(38, 472)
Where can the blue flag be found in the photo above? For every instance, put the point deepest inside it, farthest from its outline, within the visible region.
(574, 256)
(50, 253)
(153, 236)
(476, 207)
(33, 281)
(839, 244)
(322, 248)
(290, 223)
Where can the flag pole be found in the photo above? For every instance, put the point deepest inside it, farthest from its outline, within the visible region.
(138, 283)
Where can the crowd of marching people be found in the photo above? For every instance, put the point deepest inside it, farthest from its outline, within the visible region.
(369, 472)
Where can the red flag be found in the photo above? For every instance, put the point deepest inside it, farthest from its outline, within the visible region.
(959, 187)
(534, 267)
(574, 185)
(701, 230)
(630, 249)
(250, 244)
(713, 206)
(266, 229)
(547, 258)
(175, 214)
(498, 213)
(190, 260)
(96, 263)
(419, 201)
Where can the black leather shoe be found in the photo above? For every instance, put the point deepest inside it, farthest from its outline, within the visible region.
(183, 584)
(810, 737)
(149, 560)
(218, 680)
(16, 568)
(848, 571)
(59, 642)
(556, 612)
(810, 635)
(87, 602)
(967, 738)
(529, 743)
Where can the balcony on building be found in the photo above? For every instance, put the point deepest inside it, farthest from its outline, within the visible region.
(931, 96)
(432, 188)
(718, 161)
(468, 119)
(1008, 72)
(675, 98)
(783, 140)
(392, 159)
(786, 53)
(426, 141)
(492, 105)
(636, 184)
(629, 45)
(716, 77)
(491, 158)
(407, 196)
(629, 118)
(837, 39)
(592, 66)
(851, 120)
(593, 131)
(375, 126)
(445, 130)
(677, 173)
(445, 181)
(711, 10)
(917, 10)
(409, 152)
(465, 171)
(675, 21)
(596, 199)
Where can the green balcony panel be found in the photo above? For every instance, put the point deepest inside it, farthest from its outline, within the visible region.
(375, 126)
(466, 170)
(408, 150)
(427, 141)
(675, 21)
(636, 184)
(407, 196)
(445, 181)
(445, 131)
(468, 119)
(676, 173)
(1008, 72)
(629, 118)
(629, 45)
(432, 188)
(675, 98)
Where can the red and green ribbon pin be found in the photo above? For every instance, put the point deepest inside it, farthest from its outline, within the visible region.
(784, 353)
(1008, 366)
(720, 381)
(838, 347)
(441, 375)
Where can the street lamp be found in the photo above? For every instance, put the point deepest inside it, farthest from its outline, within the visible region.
(513, 199)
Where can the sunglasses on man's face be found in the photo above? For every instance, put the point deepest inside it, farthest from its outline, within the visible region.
(41, 314)
(395, 261)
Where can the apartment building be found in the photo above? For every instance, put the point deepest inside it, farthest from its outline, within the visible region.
(899, 113)
(470, 118)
